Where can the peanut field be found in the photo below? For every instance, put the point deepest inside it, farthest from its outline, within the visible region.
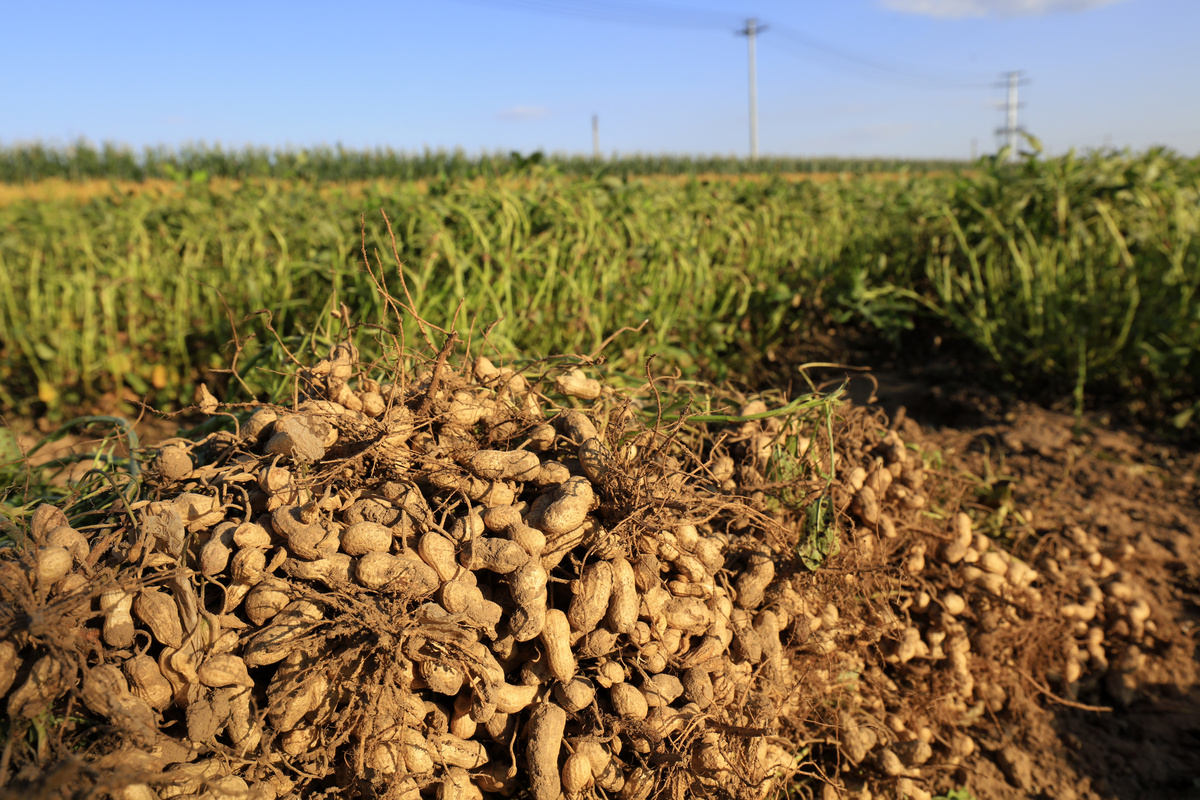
(1065, 276)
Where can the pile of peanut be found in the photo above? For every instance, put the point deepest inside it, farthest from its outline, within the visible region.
(529, 645)
(471, 584)
(972, 625)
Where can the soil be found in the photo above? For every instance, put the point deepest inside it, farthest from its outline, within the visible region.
(1043, 471)
(1122, 488)
(43, 440)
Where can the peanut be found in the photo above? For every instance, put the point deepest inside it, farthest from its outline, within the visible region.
(386, 572)
(662, 690)
(498, 555)
(224, 669)
(546, 727)
(438, 552)
(622, 613)
(866, 504)
(365, 537)
(493, 465)
(594, 457)
(556, 635)
(590, 596)
(118, 623)
(449, 749)
(52, 564)
(576, 695)
(528, 588)
(266, 600)
(160, 614)
(214, 556)
(568, 507)
(173, 463)
(577, 774)
(147, 681)
(513, 699)
(628, 701)
(73, 540)
(334, 570)
(753, 581)
(309, 541)
(956, 549)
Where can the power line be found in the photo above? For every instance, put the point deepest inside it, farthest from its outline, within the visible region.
(649, 14)
(849, 61)
(791, 41)
(664, 15)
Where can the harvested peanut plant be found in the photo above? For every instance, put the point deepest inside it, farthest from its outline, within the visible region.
(455, 579)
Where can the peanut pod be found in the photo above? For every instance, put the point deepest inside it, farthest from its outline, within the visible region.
(547, 724)
(590, 596)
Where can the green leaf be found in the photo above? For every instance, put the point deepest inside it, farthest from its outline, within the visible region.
(10, 451)
(820, 538)
(136, 383)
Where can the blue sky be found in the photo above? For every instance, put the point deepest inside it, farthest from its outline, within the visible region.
(835, 77)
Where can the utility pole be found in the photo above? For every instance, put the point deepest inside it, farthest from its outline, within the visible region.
(751, 30)
(1011, 128)
(596, 136)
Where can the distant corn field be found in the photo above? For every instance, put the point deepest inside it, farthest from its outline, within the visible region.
(84, 161)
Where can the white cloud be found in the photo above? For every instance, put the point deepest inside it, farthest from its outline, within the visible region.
(991, 8)
(519, 113)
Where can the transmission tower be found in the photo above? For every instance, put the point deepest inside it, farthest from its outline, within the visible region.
(1011, 128)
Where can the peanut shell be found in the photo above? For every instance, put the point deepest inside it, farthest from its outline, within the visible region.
(546, 727)
(590, 596)
(158, 610)
(365, 537)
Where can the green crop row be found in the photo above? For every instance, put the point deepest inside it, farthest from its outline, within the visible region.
(84, 161)
(1074, 273)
